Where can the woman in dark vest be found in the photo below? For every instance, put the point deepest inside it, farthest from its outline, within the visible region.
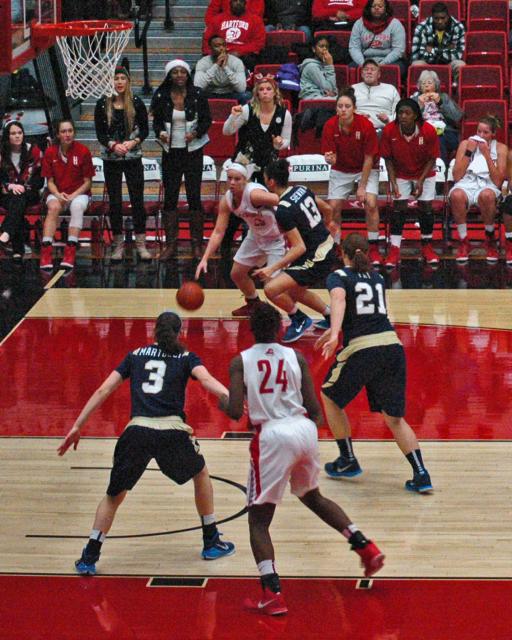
(181, 119)
(264, 128)
(121, 123)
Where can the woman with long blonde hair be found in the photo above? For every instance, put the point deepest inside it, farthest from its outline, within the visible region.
(121, 126)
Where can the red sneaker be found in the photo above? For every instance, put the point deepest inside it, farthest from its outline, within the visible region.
(492, 254)
(429, 255)
(508, 252)
(46, 257)
(463, 251)
(245, 310)
(372, 559)
(374, 256)
(271, 604)
(393, 257)
(68, 261)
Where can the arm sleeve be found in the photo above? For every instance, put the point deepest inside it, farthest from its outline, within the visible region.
(141, 114)
(100, 123)
(233, 123)
(419, 44)
(158, 121)
(286, 133)
(371, 142)
(460, 41)
(433, 143)
(124, 369)
(35, 181)
(314, 74)
(355, 43)
(321, 10)
(397, 43)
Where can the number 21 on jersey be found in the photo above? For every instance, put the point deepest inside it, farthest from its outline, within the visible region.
(272, 379)
(365, 298)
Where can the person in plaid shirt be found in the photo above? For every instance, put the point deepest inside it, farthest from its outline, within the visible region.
(439, 39)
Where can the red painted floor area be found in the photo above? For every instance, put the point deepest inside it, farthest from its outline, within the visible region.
(33, 608)
(458, 386)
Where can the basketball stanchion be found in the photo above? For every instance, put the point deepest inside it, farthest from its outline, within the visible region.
(91, 49)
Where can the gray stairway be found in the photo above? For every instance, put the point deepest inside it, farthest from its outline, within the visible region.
(184, 41)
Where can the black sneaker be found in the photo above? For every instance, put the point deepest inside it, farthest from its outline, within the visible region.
(343, 468)
(420, 483)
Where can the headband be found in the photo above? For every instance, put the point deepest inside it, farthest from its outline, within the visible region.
(177, 63)
(240, 168)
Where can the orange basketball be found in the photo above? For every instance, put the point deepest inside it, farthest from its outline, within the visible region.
(190, 296)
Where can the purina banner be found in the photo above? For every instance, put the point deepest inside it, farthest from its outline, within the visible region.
(308, 167)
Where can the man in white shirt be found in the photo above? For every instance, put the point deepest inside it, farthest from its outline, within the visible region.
(375, 99)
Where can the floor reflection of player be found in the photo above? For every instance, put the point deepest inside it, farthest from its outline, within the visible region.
(372, 357)
(158, 376)
(277, 384)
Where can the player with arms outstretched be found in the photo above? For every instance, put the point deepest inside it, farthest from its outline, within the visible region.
(372, 357)
(277, 384)
(158, 376)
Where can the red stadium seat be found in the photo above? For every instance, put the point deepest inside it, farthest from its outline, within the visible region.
(444, 71)
(455, 9)
(317, 102)
(478, 81)
(341, 37)
(220, 146)
(402, 12)
(389, 73)
(285, 38)
(342, 75)
(307, 142)
(487, 47)
(491, 15)
(264, 69)
(476, 109)
(220, 108)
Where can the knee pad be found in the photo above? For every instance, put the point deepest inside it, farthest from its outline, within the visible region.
(397, 222)
(77, 209)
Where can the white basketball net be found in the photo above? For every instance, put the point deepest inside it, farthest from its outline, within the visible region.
(91, 61)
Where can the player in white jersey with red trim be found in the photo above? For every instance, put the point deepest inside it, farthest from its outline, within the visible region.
(264, 243)
(280, 396)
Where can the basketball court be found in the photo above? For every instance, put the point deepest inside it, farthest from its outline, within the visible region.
(449, 554)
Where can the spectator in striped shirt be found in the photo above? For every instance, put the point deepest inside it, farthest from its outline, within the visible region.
(439, 39)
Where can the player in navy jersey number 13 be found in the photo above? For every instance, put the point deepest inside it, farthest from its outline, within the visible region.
(372, 357)
(280, 396)
(158, 378)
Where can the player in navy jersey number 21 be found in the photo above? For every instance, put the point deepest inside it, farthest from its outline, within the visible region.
(280, 396)
(372, 357)
(158, 376)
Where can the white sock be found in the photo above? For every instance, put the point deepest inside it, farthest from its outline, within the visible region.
(266, 566)
(208, 519)
(463, 231)
(351, 529)
(489, 228)
(396, 241)
(97, 535)
(47, 239)
(373, 235)
(508, 235)
(327, 310)
(73, 239)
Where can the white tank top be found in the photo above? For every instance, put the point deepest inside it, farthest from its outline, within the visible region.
(273, 379)
(261, 220)
(478, 165)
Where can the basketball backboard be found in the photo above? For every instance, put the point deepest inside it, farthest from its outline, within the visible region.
(16, 18)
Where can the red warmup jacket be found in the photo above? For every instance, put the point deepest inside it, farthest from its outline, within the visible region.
(222, 6)
(323, 9)
(243, 34)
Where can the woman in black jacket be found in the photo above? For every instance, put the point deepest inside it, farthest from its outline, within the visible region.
(20, 181)
(181, 119)
(121, 126)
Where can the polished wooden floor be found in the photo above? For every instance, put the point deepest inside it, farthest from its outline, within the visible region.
(460, 532)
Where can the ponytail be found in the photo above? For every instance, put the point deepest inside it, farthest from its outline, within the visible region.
(355, 248)
(168, 326)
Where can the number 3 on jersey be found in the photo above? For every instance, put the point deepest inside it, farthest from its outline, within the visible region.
(156, 377)
(270, 381)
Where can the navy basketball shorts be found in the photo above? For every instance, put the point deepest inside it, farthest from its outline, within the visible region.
(309, 273)
(381, 370)
(176, 452)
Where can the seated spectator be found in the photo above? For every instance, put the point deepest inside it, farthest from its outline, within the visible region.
(336, 14)
(317, 75)
(69, 169)
(293, 15)
(410, 148)
(439, 110)
(439, 39)
(222, 6)
(243, 32)
(379, 36)
(479, 170)
(375, 99)
(20, 181)
(221, 75)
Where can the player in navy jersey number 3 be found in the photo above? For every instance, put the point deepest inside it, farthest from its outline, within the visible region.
(158, 376)
(372, 357)
(280, 396)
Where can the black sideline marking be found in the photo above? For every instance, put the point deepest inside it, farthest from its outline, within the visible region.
(178, 582)
(364, 584)
(237, 435)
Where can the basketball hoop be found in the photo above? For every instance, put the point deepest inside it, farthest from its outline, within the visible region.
(91, 50)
